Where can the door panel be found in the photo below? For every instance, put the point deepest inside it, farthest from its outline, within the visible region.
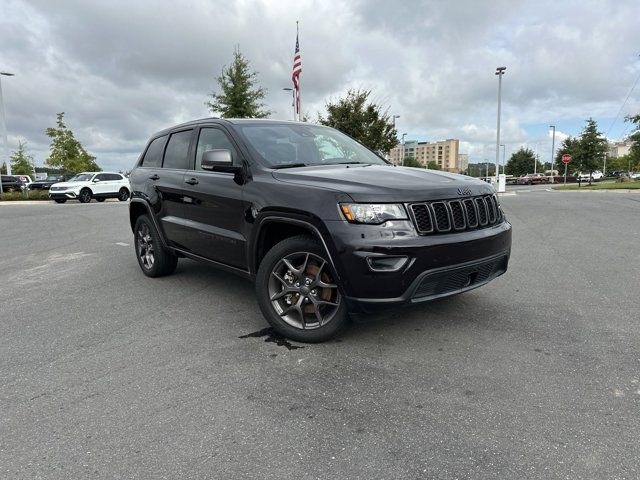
(213, 207)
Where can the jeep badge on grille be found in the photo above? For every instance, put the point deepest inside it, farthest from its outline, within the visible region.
(464, 191)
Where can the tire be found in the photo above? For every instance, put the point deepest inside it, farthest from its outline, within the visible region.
(154, 259)
(100, 199)
(84, 196)
(314, 310)
(59, 200)
(123, 195)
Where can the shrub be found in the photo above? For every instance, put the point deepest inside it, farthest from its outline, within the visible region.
(26, 195)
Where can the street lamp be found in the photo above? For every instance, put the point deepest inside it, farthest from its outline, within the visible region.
(393, 117)
(3, 129)
(293, 101)
(402, 159)
(499, 72)
(553, 149)
(503, 155)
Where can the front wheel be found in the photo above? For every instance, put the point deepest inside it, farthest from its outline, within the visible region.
(85, 195)
(298, 291)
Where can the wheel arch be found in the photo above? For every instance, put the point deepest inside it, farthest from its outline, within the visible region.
(138, 207)
(274, 228)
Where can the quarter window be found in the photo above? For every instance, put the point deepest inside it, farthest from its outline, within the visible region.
(177, 153)
(213, 139)
(153, 155)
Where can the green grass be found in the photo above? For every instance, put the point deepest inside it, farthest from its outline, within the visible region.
(18, 196)
(633, 185)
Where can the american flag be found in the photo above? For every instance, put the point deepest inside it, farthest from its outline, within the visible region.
(297, 70)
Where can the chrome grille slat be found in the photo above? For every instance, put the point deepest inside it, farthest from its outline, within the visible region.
(460, 214)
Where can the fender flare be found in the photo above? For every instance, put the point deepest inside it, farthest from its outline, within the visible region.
(140, 201)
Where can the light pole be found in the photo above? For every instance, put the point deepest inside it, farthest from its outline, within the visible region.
(499, 72)
(3, 127)
(604, 169)
(402, 159)
(503, 155)
(553, 149)
(393, 117)
(293, 101)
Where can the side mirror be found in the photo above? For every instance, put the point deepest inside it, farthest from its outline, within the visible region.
(219, 161)
(96, 180)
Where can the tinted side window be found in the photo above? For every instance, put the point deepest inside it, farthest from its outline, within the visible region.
(153, 156)
(213, 139)
(102, 177)
(113, 176)
(177, 153)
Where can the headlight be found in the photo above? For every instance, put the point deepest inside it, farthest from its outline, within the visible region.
(375, 213)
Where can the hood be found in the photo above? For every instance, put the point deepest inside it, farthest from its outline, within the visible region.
(69, 184)
(381, 183)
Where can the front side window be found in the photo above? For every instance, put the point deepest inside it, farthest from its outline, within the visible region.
(213, 139)
(177, 153)
(282, 145)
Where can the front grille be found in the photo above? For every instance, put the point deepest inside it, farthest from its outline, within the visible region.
(459, 214)
(453, 280)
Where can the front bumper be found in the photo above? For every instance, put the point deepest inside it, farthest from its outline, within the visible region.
(435, 266)
(62, 195)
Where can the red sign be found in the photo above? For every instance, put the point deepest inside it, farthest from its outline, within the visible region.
(566, 158)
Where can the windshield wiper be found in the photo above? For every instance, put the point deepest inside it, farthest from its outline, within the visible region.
(289, 165)
(352, 163)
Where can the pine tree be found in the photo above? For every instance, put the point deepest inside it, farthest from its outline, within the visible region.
(21, 161)
(67, 153)
(240, 97)
(591, 148)
(363, 120)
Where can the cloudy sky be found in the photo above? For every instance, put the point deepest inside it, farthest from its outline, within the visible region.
(122, 70)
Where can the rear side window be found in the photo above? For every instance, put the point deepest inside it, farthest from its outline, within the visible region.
(153, 155)
(177, 153)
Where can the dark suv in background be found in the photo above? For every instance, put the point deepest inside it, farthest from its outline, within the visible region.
(322, 224)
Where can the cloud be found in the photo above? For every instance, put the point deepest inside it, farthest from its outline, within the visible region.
(122, 70)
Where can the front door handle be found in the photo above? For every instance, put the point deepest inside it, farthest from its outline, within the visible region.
(155, 176)
(191, 181)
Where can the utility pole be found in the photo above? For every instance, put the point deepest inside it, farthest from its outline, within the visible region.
(553, 149)
(402, 159)
(499, 72)
(3, 127)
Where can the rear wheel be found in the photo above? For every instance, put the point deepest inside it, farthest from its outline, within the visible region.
(154, 259)
(85, 195)
(298, 291)
(123, 194)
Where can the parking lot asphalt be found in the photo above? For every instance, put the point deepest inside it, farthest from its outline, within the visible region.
(105, 373)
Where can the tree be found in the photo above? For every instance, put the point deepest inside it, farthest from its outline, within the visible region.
(66, 152)
(410, 161)
(239, 96)
(431, 165)
(21, 161)
(522, 162)
(591, 148)
(365, 121)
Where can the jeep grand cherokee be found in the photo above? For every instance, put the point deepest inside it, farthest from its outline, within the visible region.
(322, 225)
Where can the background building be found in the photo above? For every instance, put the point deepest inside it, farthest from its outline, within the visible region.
(463, 162)
(444, 153)
(619, 149)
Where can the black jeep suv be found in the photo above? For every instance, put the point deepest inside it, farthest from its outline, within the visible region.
(322, 224)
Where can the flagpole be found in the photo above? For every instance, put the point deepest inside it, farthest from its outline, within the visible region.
(298, 93)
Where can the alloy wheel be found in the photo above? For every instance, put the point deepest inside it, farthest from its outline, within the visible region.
(145, 246)
(303, 292)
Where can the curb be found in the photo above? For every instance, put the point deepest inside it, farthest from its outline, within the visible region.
(27, 202)
(616, 190)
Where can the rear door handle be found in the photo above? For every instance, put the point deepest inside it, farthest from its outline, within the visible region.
(191, 181)
(155, 176)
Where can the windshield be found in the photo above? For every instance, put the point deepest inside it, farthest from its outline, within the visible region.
(82, 177)
(288, 145)
(53, 177)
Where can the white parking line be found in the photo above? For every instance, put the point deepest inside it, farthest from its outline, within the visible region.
(122, 244)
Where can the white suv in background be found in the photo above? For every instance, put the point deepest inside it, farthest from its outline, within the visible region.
(88, 185)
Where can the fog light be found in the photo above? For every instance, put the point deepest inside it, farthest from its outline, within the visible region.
(387, 264)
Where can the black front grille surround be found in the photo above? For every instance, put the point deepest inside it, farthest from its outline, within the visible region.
(443, 216)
